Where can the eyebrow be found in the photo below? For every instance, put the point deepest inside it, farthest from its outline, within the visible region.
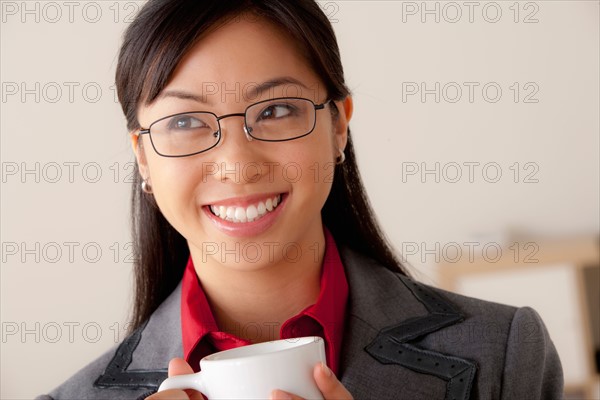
(252, 92)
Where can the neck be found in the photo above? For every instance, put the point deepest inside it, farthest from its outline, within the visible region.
(253, 299)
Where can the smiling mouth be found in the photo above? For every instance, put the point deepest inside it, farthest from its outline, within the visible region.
(253, 212)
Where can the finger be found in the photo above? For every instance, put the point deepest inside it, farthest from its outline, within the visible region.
(281, 395)
(178, 366)
(171, 394)
(329, 385)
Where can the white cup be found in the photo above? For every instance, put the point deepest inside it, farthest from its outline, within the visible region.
(253, 371)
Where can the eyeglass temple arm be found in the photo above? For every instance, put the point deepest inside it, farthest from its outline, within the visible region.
(322, 105)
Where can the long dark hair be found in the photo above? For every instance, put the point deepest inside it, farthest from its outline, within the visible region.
(153, 45)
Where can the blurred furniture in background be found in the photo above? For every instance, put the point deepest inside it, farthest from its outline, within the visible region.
(560, 279)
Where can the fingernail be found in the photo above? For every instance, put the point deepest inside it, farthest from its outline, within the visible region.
(280, 395)
(326, 369)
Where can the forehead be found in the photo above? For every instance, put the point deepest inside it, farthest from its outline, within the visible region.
(242, 53)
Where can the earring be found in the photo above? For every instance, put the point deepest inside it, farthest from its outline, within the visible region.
(146, 188)
(341, 158)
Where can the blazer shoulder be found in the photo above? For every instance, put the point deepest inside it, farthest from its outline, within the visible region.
(478, 347)
(473, 307)
(81, 384)
(510, 345)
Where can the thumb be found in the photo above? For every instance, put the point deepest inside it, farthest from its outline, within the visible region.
(178, 366)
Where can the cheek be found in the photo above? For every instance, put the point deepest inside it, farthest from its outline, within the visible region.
(174, 182)
(315, 166)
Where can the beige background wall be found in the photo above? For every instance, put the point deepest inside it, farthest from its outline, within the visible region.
(532, 116)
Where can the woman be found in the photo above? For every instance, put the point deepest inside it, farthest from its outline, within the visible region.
(251, 224)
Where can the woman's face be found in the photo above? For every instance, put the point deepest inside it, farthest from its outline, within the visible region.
(241, 178)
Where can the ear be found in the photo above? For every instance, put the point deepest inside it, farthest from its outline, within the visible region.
(345, 108)
(140, 153)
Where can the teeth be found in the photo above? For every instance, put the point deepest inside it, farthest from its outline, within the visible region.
(262, 210)
(251, 213)
(240, 214)
(230, 213)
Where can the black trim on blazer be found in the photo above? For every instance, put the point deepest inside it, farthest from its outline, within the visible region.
(392, 344)
(115, 375)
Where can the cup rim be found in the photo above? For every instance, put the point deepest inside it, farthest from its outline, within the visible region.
(229, 355)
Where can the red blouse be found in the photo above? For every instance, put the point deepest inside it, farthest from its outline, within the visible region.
(325, 318)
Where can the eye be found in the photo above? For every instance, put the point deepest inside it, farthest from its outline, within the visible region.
(186, 122)
(274, 111)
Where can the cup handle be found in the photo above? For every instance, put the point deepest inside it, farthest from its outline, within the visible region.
(189, 381)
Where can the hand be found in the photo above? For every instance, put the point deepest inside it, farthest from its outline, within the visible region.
(178, 366)
(328, 384)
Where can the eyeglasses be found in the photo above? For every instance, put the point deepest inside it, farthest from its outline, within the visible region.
(274, 120)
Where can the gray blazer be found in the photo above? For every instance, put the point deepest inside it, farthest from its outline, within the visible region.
(403, 340)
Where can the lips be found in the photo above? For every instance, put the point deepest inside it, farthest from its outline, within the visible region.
(253, 211)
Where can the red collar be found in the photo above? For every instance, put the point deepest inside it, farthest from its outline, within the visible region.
(325, 318)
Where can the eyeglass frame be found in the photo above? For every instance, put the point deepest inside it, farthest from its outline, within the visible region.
(143, 131)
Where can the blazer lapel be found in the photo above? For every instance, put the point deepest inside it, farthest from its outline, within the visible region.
(140, 360)
(387, 314)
